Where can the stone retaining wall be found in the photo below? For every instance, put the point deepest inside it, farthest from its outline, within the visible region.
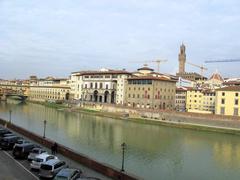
(173, 116)
(102, 168)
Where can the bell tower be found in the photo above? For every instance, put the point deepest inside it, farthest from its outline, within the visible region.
(182, 59)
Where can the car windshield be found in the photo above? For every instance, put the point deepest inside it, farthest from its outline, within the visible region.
(38, 160)
(46, 167)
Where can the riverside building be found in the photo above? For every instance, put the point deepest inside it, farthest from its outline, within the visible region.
(227, 101)
(148, 89)
(50, 89)
(180, 99)
(200, 100)
(103, 86)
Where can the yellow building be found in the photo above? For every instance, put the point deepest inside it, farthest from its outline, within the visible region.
(200, 100)
(227, 101)
(50, 89)
(148, 89)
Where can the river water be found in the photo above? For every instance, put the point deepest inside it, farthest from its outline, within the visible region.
(153, 152)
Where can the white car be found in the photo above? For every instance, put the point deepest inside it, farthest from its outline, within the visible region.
(35, 152)
(39, 159)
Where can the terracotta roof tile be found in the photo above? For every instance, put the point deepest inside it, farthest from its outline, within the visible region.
(152, 78)
(229, 88)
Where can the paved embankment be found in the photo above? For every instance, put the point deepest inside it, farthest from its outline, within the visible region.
(196, 121)
(104, 169)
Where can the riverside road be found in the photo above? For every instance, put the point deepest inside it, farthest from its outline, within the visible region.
(11, 169)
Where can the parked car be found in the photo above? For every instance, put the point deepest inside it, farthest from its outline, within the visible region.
(39, 159)
(6, 135)
(4, 131)
(68, 174)
(50, 168)
(34, 152)
(22, 150)
(7, 143)
(22, 141)
(88, 178)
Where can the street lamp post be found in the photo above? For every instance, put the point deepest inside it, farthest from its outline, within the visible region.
(44, 128)
(123, 145)
(10, 116)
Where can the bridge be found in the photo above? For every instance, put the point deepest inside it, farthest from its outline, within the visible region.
(20, 97)
(6, 93)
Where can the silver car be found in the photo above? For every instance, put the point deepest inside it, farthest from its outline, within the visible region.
(68, 174)
(35, 152)
(39, 159)
(50, 168)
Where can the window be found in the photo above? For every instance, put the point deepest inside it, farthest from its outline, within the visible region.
(236, 94)
(223, 101)
(223, 93)
(236, 102)
(101, 85)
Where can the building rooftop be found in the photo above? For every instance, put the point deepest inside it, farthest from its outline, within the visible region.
(229, 83)
(102, 72)
(229, 88)
(216, 76)
(145, 68)
(152, 78)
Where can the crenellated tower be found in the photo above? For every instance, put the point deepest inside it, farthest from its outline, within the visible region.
(182, 59)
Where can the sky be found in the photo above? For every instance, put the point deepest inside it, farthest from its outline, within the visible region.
(58, 37)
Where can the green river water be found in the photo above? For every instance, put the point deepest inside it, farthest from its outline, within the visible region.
(153, 152)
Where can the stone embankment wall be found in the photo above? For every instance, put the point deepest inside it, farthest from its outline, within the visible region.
(102, 168)
(169, 116)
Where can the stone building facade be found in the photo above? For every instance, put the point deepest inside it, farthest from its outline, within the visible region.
(148, 89)
(200, 100)
(180, 99)
(50, 89)
(150, 92)
(103, 86)
(227, 101)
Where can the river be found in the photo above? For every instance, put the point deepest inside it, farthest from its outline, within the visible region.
(153, 152)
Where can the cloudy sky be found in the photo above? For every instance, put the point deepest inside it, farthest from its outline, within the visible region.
(58, 37)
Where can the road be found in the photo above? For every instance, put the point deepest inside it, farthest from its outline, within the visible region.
(11, 169)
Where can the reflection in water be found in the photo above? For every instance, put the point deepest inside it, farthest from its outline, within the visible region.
(153, 152)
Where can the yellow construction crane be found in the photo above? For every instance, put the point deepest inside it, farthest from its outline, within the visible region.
(158, 61)
(202, 68)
